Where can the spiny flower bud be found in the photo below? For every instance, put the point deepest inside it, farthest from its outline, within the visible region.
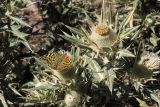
(72, 98)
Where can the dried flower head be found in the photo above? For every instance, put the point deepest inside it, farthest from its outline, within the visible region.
(145, 67)
(102, 30)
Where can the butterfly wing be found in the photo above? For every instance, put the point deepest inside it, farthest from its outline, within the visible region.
(66, 67)
(52, 59)
(65, 64)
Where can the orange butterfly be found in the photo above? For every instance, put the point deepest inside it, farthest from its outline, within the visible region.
(58, 61)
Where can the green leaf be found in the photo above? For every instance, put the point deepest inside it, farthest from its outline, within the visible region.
(137, 85)
(18, 20)
(14, 43)
(125, 53)
(17, 33)
(14, 90)
(153, 29)
(128, 18)
(97, 74)
(75, 30)
(136, 34)
(142, 103)
(154, 39)
(94, 66)
(73, 40)
(75, 52)
(128, 32)
(155, 98)
(3, 101)
(25, 43)
(21, 35)
(87, 60)
(45, 86)
(111, 75)
(121, 25)
(116, 22)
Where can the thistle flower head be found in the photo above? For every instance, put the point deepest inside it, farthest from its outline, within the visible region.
(145, 67)
(151, 61)
(102, 30)
(103, 36)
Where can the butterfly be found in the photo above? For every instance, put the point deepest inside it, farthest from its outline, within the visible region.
(58, 61)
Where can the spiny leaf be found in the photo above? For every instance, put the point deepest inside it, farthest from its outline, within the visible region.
(136, 34)
(3, 100)
(125, 53)
(111, 75)
(18, 20)
(45, 86)
(155, 98)
(154, 39)
(76, 31)
(17, 33)
(128, 32)
(25, 43)
(128, 18)
(142, 103)
(74, 40)
(14, 90)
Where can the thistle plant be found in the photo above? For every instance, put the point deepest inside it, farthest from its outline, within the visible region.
(102, 34)
(95, 68)
(57, 88)
(106, 32)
